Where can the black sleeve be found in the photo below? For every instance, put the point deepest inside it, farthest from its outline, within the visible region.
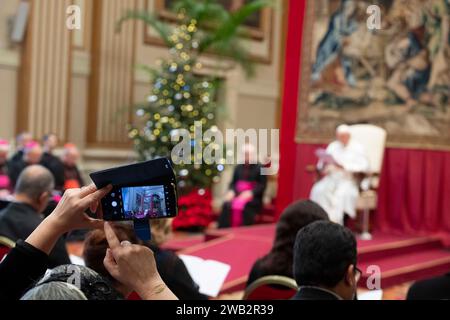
(56, 167)
(22, 267)
(59, 256)
(235, 179)
(176, 276)
(14, 170)
(261, 183)
(255, 273)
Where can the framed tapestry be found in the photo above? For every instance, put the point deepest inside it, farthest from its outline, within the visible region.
(396, 76)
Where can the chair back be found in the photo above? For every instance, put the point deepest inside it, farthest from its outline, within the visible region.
(5, 246)
(373, 138)
(271, 288)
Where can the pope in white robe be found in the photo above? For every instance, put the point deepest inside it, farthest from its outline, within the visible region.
(337, 192)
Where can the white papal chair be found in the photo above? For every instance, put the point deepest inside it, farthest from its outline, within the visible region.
(373, 138)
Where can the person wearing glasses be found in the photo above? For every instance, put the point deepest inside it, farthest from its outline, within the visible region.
(325, 262)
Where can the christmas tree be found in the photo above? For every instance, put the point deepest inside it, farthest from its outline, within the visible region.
(180, 97)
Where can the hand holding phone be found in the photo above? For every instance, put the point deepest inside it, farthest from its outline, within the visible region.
(140, 191)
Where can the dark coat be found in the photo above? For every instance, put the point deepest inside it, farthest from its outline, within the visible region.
(19, 220)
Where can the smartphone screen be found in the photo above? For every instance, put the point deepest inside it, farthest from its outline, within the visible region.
(144, 202)
(140, 202)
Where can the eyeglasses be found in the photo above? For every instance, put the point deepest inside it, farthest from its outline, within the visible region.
(358, 274)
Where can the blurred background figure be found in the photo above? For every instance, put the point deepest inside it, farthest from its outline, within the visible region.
(337, 192)
(31, 155)
(72, 175)
(244, 198)
(21, 141)
(21, 217)
(52, 162)
(5, 185)
(280, 259)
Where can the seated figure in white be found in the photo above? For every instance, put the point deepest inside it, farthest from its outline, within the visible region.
(337, 192)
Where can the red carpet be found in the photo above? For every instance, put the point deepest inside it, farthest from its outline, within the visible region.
(400, 258)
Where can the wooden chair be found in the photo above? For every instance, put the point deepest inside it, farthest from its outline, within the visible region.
(271, 288)
(5, 246)
(374, 139)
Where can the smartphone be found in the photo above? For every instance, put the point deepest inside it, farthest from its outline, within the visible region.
(140, 191)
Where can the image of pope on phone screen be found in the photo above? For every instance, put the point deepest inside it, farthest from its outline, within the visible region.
(144, 202)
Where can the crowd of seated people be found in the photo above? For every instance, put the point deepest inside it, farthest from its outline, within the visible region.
(320, 255)
(29, 152)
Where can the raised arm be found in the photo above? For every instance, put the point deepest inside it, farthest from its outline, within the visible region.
(69, 215)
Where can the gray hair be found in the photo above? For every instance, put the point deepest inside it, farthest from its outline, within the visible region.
(33, 181)
(54, 291)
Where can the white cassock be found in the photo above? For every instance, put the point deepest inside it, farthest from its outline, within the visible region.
(338, 192)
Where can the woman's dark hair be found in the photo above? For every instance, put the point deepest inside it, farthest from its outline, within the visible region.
(73, 282)
(298, 215)
(322, 254)
(95, 246)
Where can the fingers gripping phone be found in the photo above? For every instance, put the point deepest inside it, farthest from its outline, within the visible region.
(140, 191)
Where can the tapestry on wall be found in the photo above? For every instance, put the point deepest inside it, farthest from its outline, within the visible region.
(396, 76)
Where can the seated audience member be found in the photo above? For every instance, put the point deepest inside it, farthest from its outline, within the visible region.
(280, 258)
(244, 198)
(72, 175)
(431, 289)
(51, 162)
(58, 284)
(28, 260)
(337, 192)
(21, 141)
(32, 154)
(170, 267)
(20, 218)
(325, 262)
(5, 185)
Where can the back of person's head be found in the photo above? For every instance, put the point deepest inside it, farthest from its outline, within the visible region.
(36, 183)
(54, 291)
(294, 218)
(161, 231)
(95, 246)
(62, 281)
(325, 256)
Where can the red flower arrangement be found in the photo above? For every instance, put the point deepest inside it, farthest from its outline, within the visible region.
(194, 210)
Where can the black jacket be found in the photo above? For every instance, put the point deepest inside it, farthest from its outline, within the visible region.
(22, 267)
(313, 293)
(15, 167)
(56, 167)
(19, 220)
(251, 173)
(432, 289)
(175, 275)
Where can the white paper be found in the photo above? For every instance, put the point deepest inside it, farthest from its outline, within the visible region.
(210, 275)
(372, 295)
